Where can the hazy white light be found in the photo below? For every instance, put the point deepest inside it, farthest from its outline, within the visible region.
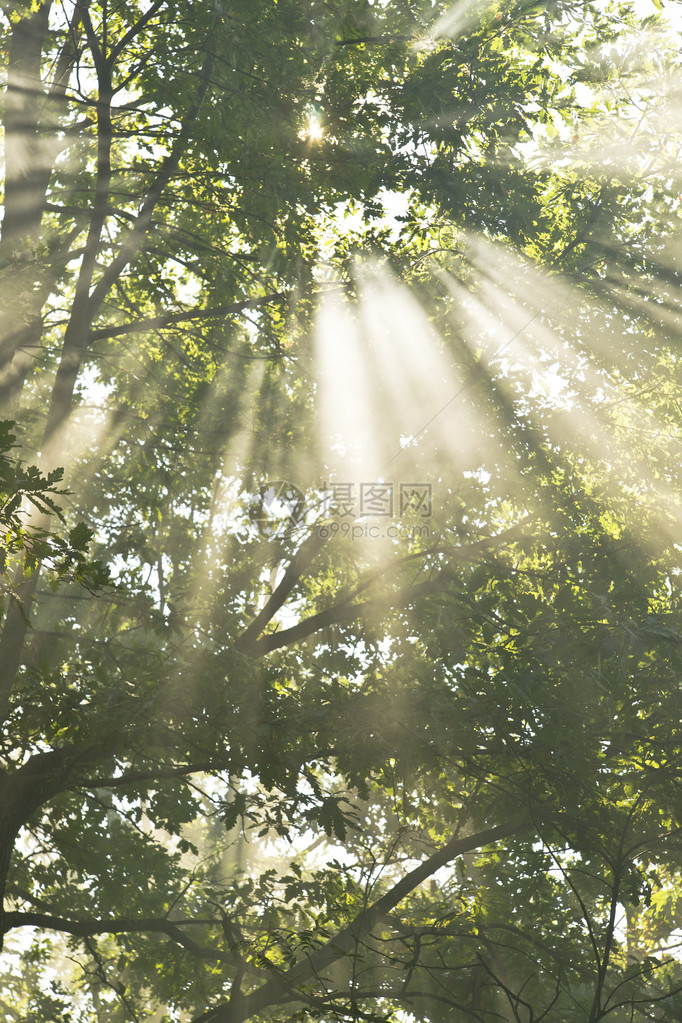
(417, 376)
(456, 20)
(347, 400)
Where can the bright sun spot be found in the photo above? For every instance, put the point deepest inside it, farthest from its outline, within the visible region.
(314, 132)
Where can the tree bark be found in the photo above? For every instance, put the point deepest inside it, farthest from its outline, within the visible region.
(21, 793)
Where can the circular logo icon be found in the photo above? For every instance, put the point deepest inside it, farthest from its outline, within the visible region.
(277, 507)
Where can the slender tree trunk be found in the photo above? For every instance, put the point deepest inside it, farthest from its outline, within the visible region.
(27, 172)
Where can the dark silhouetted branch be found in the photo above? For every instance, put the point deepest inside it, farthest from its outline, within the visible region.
(345, 941)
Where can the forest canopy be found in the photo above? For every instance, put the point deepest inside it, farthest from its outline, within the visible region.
(340, 590)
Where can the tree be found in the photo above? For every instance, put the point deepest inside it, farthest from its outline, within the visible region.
(262, 766)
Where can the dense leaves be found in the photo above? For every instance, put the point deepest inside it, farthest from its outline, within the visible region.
(298, 751)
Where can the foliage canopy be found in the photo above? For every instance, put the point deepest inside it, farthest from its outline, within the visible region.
(266, 753)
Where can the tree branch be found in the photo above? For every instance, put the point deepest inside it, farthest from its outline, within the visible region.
(77, 335)
(169, 319)
(90, 928)
(337, 614)
(386, 37)
(297, 566)
(143, 222)
(69, 52)
(346, 610)
(163, 774)
(343, 944)
(134, 31)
